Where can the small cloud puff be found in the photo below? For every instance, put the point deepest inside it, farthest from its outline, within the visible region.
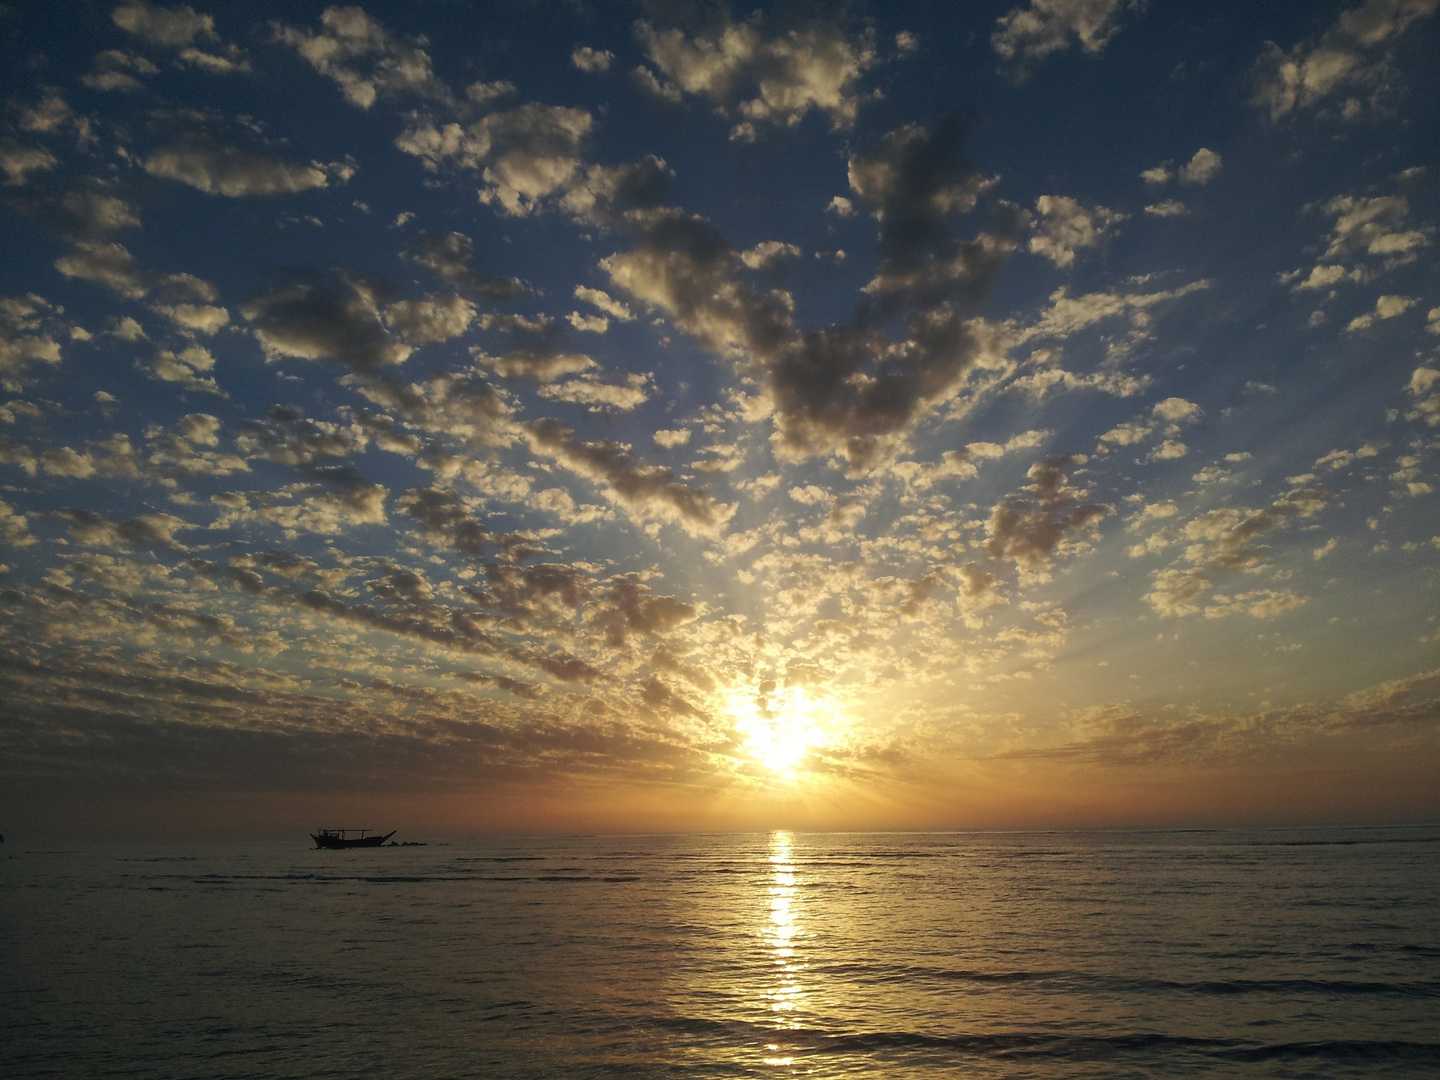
(605, 302)
(768, 254)
(762, 81)
(592, 61)
(363, 58)
(1199, 170)
(1066, 225)
(1202, 168)
(218, 169)
(1025, 36)
(1386, 307)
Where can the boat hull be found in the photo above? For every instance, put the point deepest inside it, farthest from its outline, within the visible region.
(335, 843)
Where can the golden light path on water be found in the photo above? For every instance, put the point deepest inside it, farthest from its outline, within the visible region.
(786, 992)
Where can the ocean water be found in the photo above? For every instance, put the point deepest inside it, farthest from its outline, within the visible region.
(1128, 954)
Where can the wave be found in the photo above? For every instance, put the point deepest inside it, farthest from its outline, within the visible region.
(1345, 842)
(1107, 1047)
(1127, 984)
(1060, 1046)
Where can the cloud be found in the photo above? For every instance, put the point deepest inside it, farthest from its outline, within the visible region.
(630, 394)
(113, 266)
(1227, 539)
(1339, 459)
(1323, 277)
(446, 517)
(435, 319)
(204, 319)
(1424, 391)
(107, 264)
(333, 317)
(1122, 735)
(460, 404)
(1051, 520)
(1176, 410)
(191, 450)
(961, 464)
(1041, 382)
(78, 214)
(524, 155)
(28, 325)
(364, 58)
(1372, 226)
(1068, 314)
(628, 608)
(1174, 592)
(1025, 36)
(914, 182)
(1126, 434)
(664, 94)
(1352, 55)
(588, 324)
(607, 195)
(14, 527)
(111, 71)
(842, 389)
(217, 169)
(605, 302)
(684, 267)
(340, 501)
(449, 256)
(760, 81)
(769, 254)
(186, 368)
(1386, 307)
(1258, 604)
(231, 59)
(287, 437)
(146, 532)
(20, 161)
(592, 61)
(1065, 226)
(482, 93)
(544, 356)
(171, 27)
(648, 492)
(1200, 169)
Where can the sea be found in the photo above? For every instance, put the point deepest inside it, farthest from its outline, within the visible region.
(1233, 953)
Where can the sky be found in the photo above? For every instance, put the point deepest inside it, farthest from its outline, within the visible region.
(525, 416)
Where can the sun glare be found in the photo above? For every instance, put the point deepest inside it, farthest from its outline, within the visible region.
(779, 728)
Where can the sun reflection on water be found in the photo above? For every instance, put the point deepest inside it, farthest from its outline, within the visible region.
(785, 992)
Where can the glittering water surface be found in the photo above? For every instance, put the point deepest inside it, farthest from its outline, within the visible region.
(1305, 953)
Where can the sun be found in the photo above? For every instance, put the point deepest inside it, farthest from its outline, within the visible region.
(779, 728)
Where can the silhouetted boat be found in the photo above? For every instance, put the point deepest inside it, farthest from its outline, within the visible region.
(338, 838)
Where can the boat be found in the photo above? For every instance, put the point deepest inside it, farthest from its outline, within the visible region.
(341, 838)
